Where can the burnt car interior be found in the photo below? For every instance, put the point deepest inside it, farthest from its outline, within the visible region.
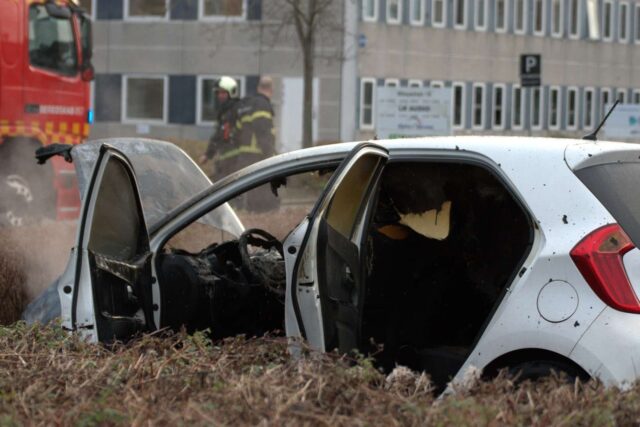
(443, 242)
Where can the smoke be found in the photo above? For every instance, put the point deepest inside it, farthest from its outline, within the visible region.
(31, 258)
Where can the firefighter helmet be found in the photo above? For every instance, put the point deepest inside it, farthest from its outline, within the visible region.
(229, 84)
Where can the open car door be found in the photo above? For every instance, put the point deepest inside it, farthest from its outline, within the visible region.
(112, 295)
(326, 286)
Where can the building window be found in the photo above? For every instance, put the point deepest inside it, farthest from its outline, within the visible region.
(557, 18)
(605, 99)
(501, 12)
(460, 14)
(417, 12)
(554, 107)
(636, 96)
(436, 84)
(623, 22)
(481, 15)
(636, 33)
(517, 108)
(392, 82)
(607, 20)
(367, 102)
(370, 10)
(621, 95)
(438, 13)
(539, 11)
(572, 108)
(415, 83)
(146, 9)
(206, 102)
(498, 106)
(589, 108)
(477, 104)
(223, 9)
(144, 99)
(536, 108)
(458, 105)
(394, 11)
(520, 13)
(593, 19)
(575, 18)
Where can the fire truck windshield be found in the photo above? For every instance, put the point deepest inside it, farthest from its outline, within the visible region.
(51, 42)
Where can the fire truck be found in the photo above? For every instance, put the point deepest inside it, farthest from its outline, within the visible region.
(45, 75)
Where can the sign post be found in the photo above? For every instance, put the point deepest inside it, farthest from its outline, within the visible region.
(530, 73)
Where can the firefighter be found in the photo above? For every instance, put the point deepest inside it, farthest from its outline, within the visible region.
(222, 142)
(255, 140)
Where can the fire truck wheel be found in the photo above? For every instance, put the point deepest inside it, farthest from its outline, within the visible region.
(27, 194)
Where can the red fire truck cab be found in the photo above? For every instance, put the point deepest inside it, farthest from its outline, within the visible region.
(45, 74)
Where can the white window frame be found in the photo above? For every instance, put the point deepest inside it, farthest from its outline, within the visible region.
(373, 18)
(578, 12)
(415, 83)
(541, 108)
(465, 15)
(623, 92)
(436, 84)
(513, 107)
(476, 15)
(483, 112)
(165, 99)
(463, 105)
(525, 17)
(423, 5)
(398, 20)
(503, 105)
(603, 105)
(592, 91)
(363, 81)
(145, 18)
(443, 23)
(558, 124)
(627, 25)
(611, 20)
(201, 78)
(576, 107)
(636, 29)
(635, 94)
(560, 33)
(391, 82)
(542, 31)
(506, 17)
(221, 18)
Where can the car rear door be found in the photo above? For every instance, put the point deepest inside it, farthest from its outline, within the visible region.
(112, 294)
(326, 285)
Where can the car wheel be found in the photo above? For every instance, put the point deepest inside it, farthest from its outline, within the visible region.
(538, 369)
(26, 188)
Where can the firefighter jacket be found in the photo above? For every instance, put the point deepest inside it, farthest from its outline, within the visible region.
(254, 133)
(222, 139)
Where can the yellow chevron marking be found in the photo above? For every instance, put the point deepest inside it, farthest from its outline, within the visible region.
(85, 130)
(48, 127)
(75, 128)
(64, 127)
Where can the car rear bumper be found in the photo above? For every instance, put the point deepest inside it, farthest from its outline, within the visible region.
(610, 348)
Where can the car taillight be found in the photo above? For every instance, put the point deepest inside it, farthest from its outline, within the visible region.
(599, 259)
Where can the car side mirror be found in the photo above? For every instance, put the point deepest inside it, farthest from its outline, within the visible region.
(88, 73)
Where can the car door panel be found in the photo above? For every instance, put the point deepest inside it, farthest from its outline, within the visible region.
(326, 281)
(112, 293)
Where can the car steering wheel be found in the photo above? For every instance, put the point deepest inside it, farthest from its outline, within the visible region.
(268, 270)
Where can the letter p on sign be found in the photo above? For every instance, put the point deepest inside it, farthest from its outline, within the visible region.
(530, 70)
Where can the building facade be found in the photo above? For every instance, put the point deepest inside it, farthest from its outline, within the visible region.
(156, 61)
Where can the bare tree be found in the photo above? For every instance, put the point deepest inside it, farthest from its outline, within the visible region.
(318, 27)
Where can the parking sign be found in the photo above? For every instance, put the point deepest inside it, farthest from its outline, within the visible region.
(530, 70)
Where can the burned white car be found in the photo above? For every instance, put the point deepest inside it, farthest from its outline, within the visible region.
(437, 254)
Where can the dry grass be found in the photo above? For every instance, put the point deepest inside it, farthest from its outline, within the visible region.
(48, 377)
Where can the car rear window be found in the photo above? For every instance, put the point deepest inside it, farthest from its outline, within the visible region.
(616, 187)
